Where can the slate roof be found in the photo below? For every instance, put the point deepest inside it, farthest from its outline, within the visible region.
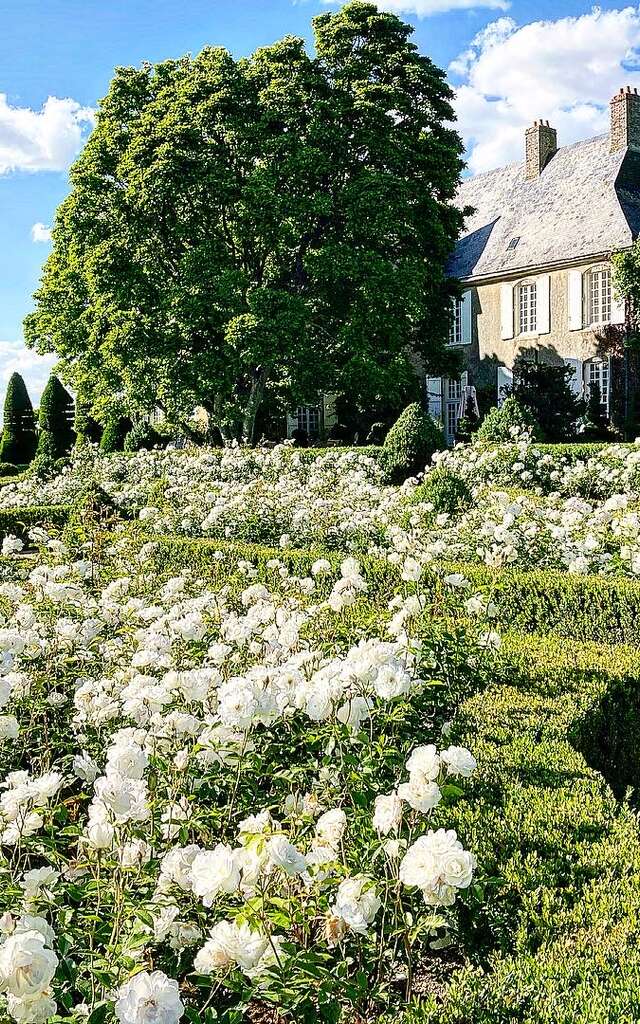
(586, 202)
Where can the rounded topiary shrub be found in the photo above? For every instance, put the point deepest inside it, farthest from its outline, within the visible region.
(410, 443)
(142, 435)
(506, 422)
(446, 491)
(114, 434)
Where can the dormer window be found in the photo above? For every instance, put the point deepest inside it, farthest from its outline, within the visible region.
(598, 296)
(527, 308)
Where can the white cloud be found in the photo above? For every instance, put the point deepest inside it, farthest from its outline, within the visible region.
(15, 357)
(42, 140)
(40, 233)
(423, 8)
(565, 70)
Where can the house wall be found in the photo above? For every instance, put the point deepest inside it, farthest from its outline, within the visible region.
(488, 346)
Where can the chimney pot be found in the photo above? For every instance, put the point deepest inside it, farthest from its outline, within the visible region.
(624, 130)
(541, 143)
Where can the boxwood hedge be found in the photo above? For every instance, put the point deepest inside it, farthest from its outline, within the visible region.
(552, 931)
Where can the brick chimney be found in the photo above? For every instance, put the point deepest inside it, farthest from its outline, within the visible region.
(625, 120)
(541, 142)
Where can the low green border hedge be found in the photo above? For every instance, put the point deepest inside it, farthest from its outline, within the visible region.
(553, 931)
(580, 607)
(18, 521)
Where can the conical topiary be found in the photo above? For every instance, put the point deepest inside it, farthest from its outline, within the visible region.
(19, 428)
(55, 420)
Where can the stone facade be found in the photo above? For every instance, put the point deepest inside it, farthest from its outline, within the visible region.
(535, 265)
(625, 120)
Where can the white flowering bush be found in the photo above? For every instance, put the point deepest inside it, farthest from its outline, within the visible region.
(225, 792)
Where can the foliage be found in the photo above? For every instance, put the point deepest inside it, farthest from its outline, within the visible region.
(18, 441)
(115, 431)
(55, 417)
(141, 435)
(87, 429)
(469, 423)
(445, 490)
(506, 422)
(545, 390)
(561, 910)
(410, 443)
(303, 251)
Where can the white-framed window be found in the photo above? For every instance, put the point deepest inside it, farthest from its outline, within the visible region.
(455, 331)
(597, 372)
(460, 328)
(527, 308)
(597, 293)
(308, 417)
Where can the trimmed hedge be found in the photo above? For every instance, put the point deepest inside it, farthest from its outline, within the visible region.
(18, 521)
(579, 607)
(553, 927)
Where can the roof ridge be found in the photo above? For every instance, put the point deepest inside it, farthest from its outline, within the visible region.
(520, 163)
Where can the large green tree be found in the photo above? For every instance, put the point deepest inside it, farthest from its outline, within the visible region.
(279, 221)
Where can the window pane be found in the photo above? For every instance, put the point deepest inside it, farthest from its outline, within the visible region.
(527, 308)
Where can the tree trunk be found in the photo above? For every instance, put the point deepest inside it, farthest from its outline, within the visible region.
(239, 428)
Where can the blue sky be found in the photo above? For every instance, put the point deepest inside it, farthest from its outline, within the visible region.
(510, 62)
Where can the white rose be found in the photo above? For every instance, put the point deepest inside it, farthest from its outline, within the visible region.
(330, 826)
(26, 965)
(149, 999)
(459, 761)
(35, 1009)
(214, 871)
(37, 879)
(357, 903)
(420, 795)
(424, 762)
(284, 855)
(388, 813)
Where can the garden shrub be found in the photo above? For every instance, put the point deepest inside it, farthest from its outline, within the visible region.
(504, 422)
(545, 390)
(87, 429)
(18, 442)
(558, 911)
(410, 444)
(142, 435)
(55, 420)
(446, 491)
(19, 521)
(8, 469)
(114, 434)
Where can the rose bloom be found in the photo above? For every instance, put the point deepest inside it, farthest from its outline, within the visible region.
(420, 795)
(424, 762)
(35, 1009)
(459, 761)
(149, 999)
(388, 813)
(26, 965)
(284, 855)
(214, 871)
(436, 859)
(330, 826)
(357, 903)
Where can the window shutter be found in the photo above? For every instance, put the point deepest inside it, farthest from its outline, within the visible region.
(434, 397)
(617, 308)
(576, 383)
(465, 313)
(543, 309)
(505, 379)
(575, 300)
(506, 311)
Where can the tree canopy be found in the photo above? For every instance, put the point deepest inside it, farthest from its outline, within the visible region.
(280, 221)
